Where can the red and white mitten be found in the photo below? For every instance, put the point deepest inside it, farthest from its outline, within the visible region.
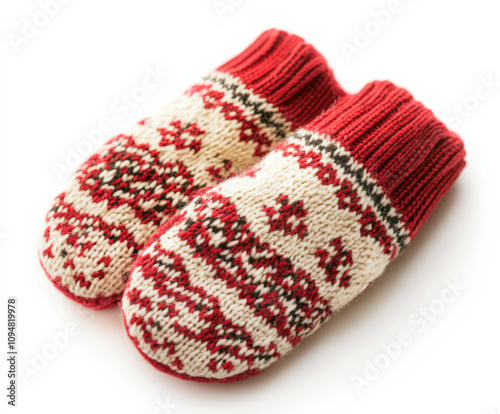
(254, 265)
(230, 119)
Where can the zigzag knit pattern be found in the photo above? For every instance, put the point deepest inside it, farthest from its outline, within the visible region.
(254, 265)
(137, 180)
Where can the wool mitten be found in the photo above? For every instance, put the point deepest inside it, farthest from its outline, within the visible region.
(220, 126)
(255, 264)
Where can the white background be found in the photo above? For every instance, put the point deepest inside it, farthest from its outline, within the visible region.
(65, 79)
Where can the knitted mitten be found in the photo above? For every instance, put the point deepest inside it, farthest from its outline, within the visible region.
(219, 127)
(252, 266)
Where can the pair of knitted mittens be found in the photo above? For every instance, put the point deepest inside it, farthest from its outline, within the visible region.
(219, 279)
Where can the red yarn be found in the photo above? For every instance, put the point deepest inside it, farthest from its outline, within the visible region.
(411, 154)
(292, 84)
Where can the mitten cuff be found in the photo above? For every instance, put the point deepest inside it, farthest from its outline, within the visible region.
(412, 156)
(288, 73)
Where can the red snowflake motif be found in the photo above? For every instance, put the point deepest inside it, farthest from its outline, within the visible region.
(332, 262)
(181, 135)
(288, 217)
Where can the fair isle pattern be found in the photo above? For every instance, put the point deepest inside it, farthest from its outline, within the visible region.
(373, 193)
(252, 266)
(244, 98)
(124, 192)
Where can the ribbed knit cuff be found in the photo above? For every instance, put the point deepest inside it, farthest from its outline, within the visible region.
(288, 73)
(412, 155)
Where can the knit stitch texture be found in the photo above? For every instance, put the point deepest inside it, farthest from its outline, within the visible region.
(252, 266)
(137, 180)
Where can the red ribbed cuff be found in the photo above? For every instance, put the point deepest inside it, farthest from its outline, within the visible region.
(288, 73)
(405, 148)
